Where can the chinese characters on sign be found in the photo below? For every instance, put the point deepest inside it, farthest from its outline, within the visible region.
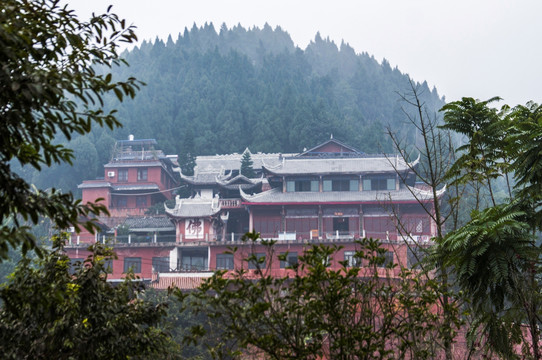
(193, 229)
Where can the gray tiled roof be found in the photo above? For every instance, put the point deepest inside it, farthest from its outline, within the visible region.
(151, 223)
(233, 161)
(319, 166)
(193, 208)
(127, 187)
(132, 163)
(239, 181)
(218, 177)
(277, 196)
(343, 145)
(95, 184)
(202, 178)
(236, 186)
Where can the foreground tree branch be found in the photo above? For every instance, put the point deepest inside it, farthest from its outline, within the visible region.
(52, 82)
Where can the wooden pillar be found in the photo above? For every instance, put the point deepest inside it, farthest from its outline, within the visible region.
(320, 222)
(321, 184)
(250, 220)
(178, 232)
(283, 220)
(361, 230)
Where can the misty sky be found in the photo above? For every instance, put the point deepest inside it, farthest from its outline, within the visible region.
(476, 48)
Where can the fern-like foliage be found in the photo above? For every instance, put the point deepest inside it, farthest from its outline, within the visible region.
(526, 146)
(495, 245)
(493, 256)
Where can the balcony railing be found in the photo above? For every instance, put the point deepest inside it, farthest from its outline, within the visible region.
(303, 237)
(144, 239)
(236, 238)
(125, 211)
(141, 155)
(132, 239)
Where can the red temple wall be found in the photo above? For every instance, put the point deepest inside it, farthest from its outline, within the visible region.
(90, 195)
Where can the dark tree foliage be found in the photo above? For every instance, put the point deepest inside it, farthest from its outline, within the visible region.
(53, 309)
(187, 161)
(253, 88)
(313, 311)
(496, 254)
(49, 87)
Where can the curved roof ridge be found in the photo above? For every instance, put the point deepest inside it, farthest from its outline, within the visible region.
(427, 193)
(272, 167)
(248, 197)
(194, 207)
(416, 162)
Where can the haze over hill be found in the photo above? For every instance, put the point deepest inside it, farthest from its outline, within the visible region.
(236, 88)
(210, 92)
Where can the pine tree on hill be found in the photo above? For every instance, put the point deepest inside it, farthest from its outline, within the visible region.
(246, 165)
(187, 161)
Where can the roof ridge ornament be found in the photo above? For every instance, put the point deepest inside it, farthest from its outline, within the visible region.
(415, 162)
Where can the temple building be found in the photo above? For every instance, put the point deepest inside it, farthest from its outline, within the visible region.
(137, 177)
(332, 194)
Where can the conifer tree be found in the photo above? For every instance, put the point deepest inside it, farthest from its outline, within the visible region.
(246, 165)
(187, 161)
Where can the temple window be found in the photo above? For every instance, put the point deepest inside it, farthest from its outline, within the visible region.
(300, 185)
(388, 259)
(291, 260)
(224, 262)
(133, 263)
(122, 202)
(351, 259)
(256, 264)
(379, 183)
(160, 264)
(414, 256)
(141, 201)
(341, 185)
(123, 175)
(142, 174)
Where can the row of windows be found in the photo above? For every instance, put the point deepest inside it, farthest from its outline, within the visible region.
(373, 225)
(340, 185)
(75, 264)
(353, 261)
(159, 264)
(142, 175)
(122, 201)
(226, 262)
(414, 256)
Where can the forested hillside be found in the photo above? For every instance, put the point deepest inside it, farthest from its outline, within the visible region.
(239, 88)
(210, 91)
